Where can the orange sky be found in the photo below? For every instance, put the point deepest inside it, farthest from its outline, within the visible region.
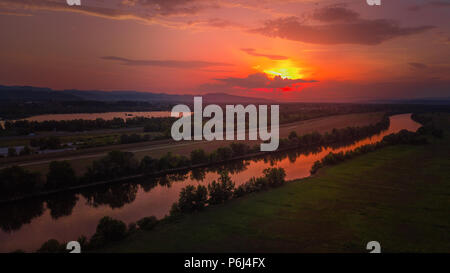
(287, 49)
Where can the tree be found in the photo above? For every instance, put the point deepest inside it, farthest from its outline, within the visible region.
(199, 156)
(224, 153)
(52, 246)
(111, 229)
(60, 175)
(148, 165)
(192, 199)
(16, 181)
(222, 190)
(239, 149)
(116, 164)
(275, 176)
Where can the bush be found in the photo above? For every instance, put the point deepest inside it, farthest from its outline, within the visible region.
(109, 229)
(192, 199)
(147, 223)
(275, 176)
(221, 191)
(52, 246)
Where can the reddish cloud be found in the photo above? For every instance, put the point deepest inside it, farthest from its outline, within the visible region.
(338, 25)
(252, 52)
(165, 63)
(257, 82)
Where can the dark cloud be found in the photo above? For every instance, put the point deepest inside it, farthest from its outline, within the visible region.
(144, 10)
(252, 52)
(167, 7)
(431, 4)
(335, 14)
(419, 66)
(253, 81)
(165, 63)
(339, 25)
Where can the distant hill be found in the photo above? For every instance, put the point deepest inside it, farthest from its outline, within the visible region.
(37, 94)
(424, 101)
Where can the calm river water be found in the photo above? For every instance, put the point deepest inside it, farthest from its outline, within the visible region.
(26, 225)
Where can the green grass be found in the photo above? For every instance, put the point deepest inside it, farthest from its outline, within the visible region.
(399, 196)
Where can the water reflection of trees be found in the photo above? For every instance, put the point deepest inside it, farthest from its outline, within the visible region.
(14, 215)
(115, 196)
(61, 204)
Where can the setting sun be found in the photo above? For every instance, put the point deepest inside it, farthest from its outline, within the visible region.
(286, 70)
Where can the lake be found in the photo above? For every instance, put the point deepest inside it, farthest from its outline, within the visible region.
(27, 224)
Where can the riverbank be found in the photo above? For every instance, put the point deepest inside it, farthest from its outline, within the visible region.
(397, 195)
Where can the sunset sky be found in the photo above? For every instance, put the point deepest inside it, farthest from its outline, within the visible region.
(288, 50)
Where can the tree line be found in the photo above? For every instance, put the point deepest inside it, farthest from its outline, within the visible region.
(25, 127)
(117, 164)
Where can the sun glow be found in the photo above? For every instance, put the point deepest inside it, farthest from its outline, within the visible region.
(286, 70)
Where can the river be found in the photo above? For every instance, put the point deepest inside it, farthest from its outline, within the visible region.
(27, 224)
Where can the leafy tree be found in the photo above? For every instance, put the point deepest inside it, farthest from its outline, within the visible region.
(16, 181)
(275, 176)
(149, 165)
(192, 198)
(239, 149)
(224, 153)
(116, 164)
(52, 246)
(60, 175)
(110, 229)
(199, 156)
(222, 190)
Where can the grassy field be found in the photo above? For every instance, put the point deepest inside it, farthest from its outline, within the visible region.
(399, 196)
(80, 161)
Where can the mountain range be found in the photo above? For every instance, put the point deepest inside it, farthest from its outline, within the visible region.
(42, 94)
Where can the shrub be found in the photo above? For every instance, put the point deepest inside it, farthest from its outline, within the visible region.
(52, 246)
(192, 199)
(147, 223)
(222, 190)
(110, 229)
(275, 176)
